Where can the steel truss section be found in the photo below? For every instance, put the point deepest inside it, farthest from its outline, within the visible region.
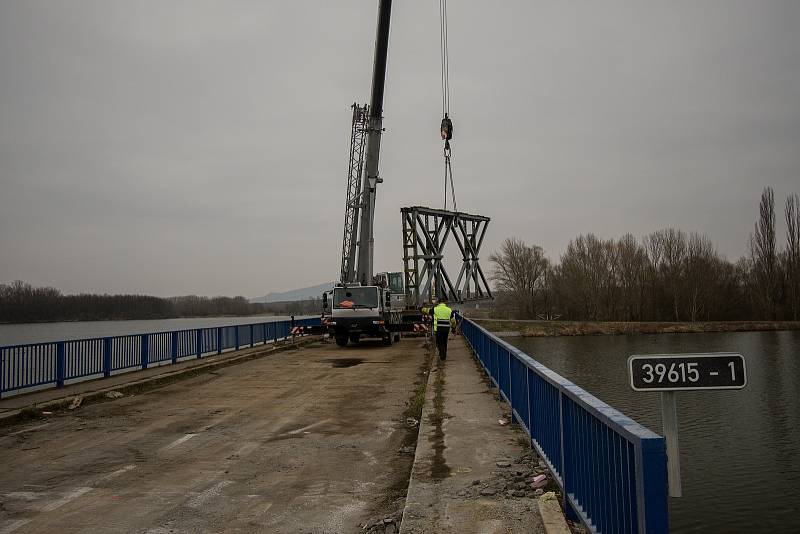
(354, 202)
(425, 234)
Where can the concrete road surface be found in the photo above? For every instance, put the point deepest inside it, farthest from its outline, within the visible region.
(300, 441)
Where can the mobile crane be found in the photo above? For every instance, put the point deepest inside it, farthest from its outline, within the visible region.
(365, 305)
(382, 305)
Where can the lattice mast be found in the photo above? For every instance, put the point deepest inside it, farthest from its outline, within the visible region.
(352, 207)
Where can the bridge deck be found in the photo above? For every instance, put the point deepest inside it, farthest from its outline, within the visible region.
(300, 441)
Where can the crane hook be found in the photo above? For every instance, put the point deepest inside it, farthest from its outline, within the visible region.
(446, 129)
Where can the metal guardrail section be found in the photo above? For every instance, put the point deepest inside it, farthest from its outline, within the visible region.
(611, 469)
(40, 364)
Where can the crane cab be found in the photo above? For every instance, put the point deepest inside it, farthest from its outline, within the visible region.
(394, 281)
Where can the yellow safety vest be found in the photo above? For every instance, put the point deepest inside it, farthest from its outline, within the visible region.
(442, 315)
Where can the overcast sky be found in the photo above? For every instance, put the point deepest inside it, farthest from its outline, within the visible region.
(177, 147)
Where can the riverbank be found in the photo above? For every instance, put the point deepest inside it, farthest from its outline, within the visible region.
(596, 328)
(165, 318)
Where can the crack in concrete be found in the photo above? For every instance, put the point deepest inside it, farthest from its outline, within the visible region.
(439, 468)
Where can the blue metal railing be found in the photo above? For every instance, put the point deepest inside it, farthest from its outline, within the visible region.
(37, 365)
(611, 469)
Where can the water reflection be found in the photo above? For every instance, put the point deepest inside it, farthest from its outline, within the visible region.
(739, 449)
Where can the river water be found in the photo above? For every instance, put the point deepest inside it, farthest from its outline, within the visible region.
(740, 450)
(17, 334)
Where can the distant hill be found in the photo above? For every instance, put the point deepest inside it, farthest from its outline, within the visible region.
(295, 294)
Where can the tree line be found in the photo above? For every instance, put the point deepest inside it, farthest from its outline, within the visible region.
(667, 275)
(21, 302)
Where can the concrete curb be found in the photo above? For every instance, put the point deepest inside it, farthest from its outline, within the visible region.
(552, 515)
(423, 447)
(13, 416)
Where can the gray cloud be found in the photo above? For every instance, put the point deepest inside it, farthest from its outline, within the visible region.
(179, 147)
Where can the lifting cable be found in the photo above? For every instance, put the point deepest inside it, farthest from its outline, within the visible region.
(446, 128)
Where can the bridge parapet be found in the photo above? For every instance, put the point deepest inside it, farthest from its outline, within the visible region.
(611, 469)
(42, 365)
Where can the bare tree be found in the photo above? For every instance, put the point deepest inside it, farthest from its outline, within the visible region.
(700, 274)
(608, 272)
(520, 270)
(632, 271)
(726, 300)
(575, 290)
(667, 250)
(653, 248)
(792, 253)
(763, 255)
(547, 293)
(585, 280)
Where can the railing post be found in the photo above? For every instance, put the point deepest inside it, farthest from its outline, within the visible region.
(528, 402)
(145, 351)
(565, 437)
(219, 340)
(511, 389)
(651, 486)
(236, 336)
(199, 343)
(60, 364)
(174, 352)
(2, 371)
(275, 330)
(107, 357)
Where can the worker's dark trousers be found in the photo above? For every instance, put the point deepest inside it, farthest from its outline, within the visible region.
(441, 341)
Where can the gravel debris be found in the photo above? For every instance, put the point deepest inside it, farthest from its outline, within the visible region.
(516, 478)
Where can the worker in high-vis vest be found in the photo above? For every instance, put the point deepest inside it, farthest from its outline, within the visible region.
(443, 320)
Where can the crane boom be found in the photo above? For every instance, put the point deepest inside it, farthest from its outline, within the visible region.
(372, 177)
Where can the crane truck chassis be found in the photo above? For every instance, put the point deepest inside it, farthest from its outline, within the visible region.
(362, 311)
(377, 311)
(351, 312)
